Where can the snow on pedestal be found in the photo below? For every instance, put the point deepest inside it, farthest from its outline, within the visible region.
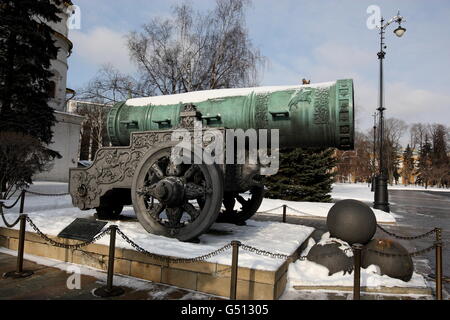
(53, 214)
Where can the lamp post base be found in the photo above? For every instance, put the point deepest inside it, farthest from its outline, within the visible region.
(106, 292)
(381, 197)
(18, 275)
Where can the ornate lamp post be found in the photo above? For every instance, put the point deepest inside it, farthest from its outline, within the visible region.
(381, 200)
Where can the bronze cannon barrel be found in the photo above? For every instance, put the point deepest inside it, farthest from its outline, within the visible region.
(316, 115)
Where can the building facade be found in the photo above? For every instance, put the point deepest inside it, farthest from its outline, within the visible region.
(66, 137)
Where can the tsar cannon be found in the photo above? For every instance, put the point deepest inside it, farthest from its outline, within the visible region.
(182, 200)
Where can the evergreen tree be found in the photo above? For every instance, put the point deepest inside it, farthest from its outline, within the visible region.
(26, 50)
(425, 164)
(304, 175)
(439, 158)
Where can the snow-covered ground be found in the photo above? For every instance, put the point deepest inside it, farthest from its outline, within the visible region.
(313, 209)
(53, 214)
(361, 191)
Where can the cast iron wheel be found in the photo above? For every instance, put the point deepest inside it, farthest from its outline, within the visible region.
(249, 205)
(177, 201)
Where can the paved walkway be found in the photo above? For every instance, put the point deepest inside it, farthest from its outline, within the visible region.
(51, 283)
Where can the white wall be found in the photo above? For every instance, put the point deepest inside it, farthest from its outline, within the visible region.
(66, 140)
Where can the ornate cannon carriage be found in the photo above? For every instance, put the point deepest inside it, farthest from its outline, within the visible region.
(184, 199)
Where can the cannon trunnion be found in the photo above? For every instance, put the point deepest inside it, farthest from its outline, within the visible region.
(183, 200)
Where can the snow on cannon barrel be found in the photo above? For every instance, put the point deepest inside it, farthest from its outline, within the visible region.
(184, 200)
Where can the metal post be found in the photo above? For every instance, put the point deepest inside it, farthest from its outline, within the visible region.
(109, 290)
(438, 264)
(381, 196)
(234, 269)
(22, 201)
(19, 272)
(284, 213)
(374, 165)
(357, 271)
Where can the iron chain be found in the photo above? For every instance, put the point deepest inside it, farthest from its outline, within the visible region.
(9, 225)
(170, 259)
(261, 252)
(63, 245)
(298, 211)
(47, 194)
(424, 235)
(268, 211)
(410, 254)
(11, 206)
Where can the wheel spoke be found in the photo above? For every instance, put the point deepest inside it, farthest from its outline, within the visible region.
(155, 210)
(190, 172)
(157, 170)
(173, 169)
(174, 215)
(194, 191)
(191, 211)
(148, 191)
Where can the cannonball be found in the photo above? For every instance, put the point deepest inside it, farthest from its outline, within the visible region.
(331, 255)
(352, 221)
(398, 267)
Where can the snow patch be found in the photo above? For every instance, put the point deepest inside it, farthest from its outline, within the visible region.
(308, 273)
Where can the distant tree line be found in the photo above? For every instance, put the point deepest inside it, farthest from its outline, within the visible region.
(425, 160)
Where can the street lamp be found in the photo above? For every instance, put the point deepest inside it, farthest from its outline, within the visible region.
(381, 197)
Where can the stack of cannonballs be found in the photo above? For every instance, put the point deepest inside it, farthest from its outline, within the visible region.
(350, 222)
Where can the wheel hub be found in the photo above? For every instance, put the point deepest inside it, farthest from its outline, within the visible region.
(170, 191)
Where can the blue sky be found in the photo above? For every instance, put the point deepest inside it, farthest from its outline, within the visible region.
(320, 40)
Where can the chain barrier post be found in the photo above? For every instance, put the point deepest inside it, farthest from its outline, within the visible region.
(19, 272)
(109, 290)
(438, 264)
(234, 269)
(284, 213)
(357, 271)
(22, 200)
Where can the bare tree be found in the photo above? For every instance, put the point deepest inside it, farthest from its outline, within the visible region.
(110, 86)
(355, 165)
(193, 51)
(418, 131)
(394, 129)
(93, 129)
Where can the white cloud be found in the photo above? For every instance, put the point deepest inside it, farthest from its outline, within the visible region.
(101, 46)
